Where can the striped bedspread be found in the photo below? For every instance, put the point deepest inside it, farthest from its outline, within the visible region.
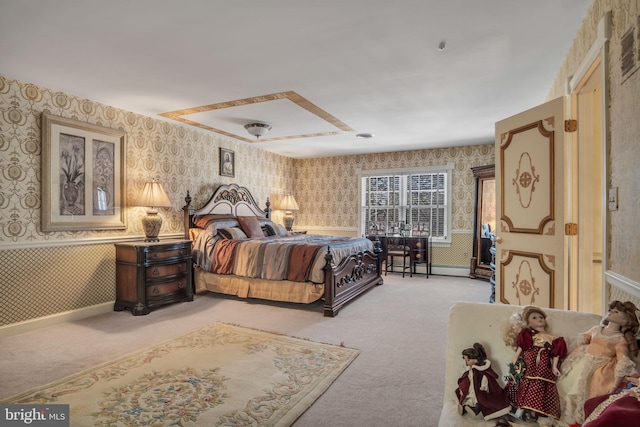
(297, 258)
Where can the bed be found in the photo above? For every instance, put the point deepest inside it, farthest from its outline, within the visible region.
(238, 250)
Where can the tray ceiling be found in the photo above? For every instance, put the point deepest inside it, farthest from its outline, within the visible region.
(318, 72)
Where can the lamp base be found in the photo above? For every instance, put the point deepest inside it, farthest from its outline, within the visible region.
(288, 222)
(151, 225)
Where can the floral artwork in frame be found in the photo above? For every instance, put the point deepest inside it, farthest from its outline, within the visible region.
(82, 176)
(227, 162)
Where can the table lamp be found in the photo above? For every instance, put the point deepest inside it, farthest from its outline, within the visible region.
(288, 204)
(153, 196)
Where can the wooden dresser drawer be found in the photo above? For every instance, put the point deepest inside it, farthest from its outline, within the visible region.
(157, 254)
(157, 271)
(158, 289)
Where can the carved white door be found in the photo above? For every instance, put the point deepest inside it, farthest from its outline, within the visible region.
(530, 208)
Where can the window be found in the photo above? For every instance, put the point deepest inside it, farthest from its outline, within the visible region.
(415, 202)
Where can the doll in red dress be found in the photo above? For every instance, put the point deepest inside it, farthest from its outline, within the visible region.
(478, 390)
(537, 394)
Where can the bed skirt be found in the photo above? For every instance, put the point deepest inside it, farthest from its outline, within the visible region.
(247, 287)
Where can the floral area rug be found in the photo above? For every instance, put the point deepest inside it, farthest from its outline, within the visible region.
(220, 375)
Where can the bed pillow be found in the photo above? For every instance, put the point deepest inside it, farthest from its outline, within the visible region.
(232, 233)
(201, 221)
(280, 230)
(194, 233)
(267, 230)
(268, 227)
(251, 226)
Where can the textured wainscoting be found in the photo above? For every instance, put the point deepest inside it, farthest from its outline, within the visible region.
(39, 282)
(621, 288)
(457, 254)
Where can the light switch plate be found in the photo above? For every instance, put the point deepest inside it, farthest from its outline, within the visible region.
(612, 199)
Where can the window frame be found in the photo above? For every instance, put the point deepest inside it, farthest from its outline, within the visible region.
(447, 169)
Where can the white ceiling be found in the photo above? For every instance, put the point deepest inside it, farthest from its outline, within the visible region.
(363, 65)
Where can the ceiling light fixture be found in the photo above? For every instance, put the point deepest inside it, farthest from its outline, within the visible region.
(442, 46)
(257, 129)
(365, 135)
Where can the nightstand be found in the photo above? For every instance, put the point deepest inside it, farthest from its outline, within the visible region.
(150, 274)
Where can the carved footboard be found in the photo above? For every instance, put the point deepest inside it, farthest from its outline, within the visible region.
(352, 277)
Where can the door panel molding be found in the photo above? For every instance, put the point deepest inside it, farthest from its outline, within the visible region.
(531, 179)
(533, 279)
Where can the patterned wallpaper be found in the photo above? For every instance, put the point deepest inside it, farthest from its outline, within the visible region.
(624, 128)
(625, 150)
(324, 184)
(327, 191)
(181, 159)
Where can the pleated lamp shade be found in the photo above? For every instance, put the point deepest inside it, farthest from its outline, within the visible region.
(289, 203)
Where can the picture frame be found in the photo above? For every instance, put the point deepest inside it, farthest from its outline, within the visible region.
(83, 176)
(227, 162)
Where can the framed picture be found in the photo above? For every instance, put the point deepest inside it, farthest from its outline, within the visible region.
(82, 176)
(227, 162)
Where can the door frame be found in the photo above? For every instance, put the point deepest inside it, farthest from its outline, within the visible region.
(597, 56)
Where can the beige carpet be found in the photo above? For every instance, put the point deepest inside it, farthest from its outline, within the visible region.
(399, 329)
(217, 375)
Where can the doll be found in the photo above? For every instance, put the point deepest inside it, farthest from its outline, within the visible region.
(540, 353)
(510, 331)
(600, 362)
(478, 390)
(620, 408)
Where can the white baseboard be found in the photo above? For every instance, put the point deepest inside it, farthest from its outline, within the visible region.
(445, 270)
(54, 319)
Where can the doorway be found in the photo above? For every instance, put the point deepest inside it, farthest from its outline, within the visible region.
(531, 267)
(586, 251)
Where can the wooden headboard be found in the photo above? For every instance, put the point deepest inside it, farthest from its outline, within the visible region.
(228, 199)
